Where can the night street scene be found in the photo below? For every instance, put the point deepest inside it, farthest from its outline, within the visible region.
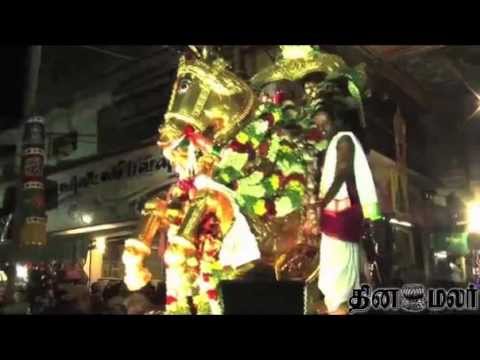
(240, 180)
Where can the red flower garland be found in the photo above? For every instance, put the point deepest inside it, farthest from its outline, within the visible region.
(269, 118)
(210, 225)
(315, 135)
(263, 149)
(212, 294)
(197, 138)
(271, 210)
(279, 97)
(212, 253)
(243, 148)
(170, 299)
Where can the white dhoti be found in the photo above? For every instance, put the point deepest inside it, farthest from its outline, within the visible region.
(339, 271)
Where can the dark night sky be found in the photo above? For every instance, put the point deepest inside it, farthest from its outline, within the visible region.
(12, 75)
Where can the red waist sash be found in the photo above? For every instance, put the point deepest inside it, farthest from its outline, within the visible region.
(345, 225)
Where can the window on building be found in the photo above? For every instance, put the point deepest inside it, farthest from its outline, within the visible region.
(112, 260)
(7, 161)
(7, 170)
(63, 145)
(403, 252)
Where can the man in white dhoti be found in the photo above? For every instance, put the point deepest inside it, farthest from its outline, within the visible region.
(347, 198)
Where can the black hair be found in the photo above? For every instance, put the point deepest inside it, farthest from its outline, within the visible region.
(345, 118)
(314, 77)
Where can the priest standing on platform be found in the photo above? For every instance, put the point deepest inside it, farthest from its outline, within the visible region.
(347, 198)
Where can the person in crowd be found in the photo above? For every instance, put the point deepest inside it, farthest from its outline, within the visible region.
(114, 296)
(149, 292)
(161, 295)
(97, 299)
(72, 299)
(74, 273)
(2, 294)
(116, 306)
(138, 304)
(19, 306)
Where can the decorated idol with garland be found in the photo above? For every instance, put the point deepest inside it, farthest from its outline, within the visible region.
(344, 195)
(243, 166)
(326, 84)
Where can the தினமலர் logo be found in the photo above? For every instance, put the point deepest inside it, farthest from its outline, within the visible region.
(413, 298)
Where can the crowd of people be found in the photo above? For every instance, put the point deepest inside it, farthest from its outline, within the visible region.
(59, 288)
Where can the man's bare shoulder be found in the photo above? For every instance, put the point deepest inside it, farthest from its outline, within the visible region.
(345, 143)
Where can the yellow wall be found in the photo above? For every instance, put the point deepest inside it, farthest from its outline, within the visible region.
(96, 266)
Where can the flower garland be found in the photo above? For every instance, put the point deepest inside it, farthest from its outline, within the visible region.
(262, 163)
(193, 268)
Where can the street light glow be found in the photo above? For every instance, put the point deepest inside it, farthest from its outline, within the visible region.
(22, 272)
(473, 214)
(87, 219)
(441, 255)
(401, 223)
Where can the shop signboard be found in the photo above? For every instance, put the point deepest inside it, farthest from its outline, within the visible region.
(108, 190)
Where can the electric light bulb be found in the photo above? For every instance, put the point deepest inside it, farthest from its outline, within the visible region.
(473, 218)
(87, 218)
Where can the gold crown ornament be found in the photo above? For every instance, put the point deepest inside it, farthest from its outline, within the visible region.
(298, 61)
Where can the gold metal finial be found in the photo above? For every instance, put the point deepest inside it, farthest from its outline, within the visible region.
(296, 62)
(292, 52)
(195, 50)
